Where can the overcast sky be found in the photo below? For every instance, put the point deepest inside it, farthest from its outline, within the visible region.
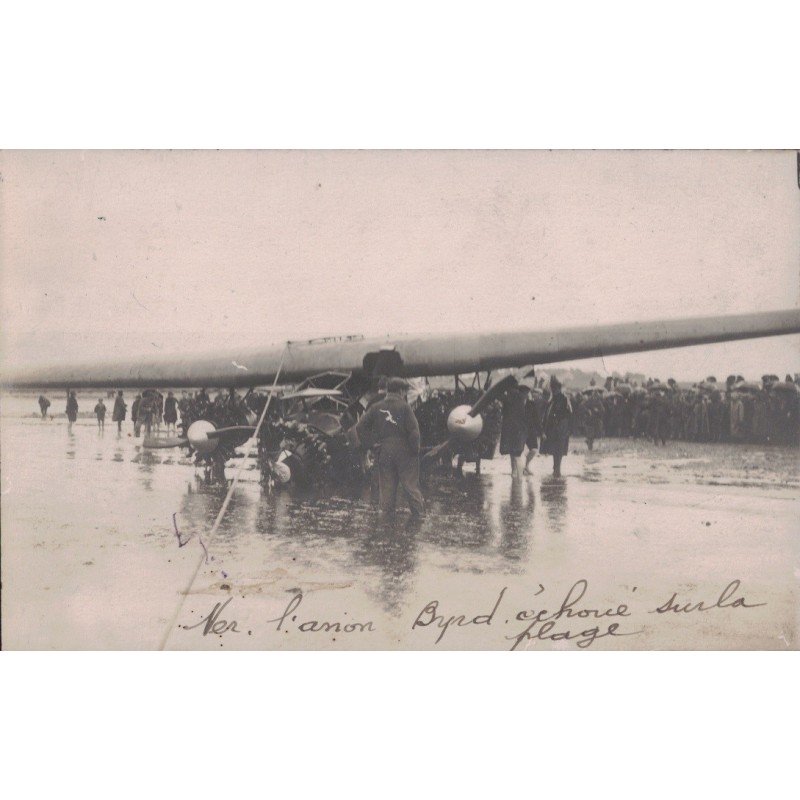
(122, 253)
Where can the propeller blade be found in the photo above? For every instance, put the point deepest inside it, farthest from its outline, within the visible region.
(232, 429)
(157, 444)
(495, 391)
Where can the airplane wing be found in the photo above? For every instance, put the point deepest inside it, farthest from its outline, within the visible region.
(420, 355)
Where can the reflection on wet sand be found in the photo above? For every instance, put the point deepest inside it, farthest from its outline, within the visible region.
(237, 519)
(481, 513)
(328, 535)
(322, 535)
(516, 519)
(100, 449)
(553, 492)
(460, 512)
(72, 444)
(147, 461)
(200, 506)
(391, 548)
(272, 512)
(482, 532)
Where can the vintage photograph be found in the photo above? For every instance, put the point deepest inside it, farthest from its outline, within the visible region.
(400, 400)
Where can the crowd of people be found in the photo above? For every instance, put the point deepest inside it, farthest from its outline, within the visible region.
(734, 411)
(543, 416)
(537, 416)
(149, 410)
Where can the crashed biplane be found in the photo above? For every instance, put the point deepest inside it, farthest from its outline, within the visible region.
(327, 382)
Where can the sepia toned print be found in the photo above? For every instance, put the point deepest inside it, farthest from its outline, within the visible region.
(400, 400)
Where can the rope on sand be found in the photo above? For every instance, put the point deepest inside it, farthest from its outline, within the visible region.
(215, 527)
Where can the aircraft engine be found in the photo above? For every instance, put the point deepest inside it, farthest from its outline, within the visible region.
(281, 469)
(294, 452)
(197, 436)
(211, 431)
(463, 427)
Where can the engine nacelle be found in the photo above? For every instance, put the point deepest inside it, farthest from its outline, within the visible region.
(197, 436)
(462, 426)
(281, 469)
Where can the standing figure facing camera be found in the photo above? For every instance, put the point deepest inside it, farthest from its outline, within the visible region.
(556, 426)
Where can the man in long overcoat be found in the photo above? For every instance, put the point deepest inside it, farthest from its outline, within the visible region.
(120, 411)
(556, 426)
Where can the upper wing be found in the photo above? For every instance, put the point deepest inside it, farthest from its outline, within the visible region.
(421, 355)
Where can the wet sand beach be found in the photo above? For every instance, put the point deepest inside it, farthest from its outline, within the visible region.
(93, 557)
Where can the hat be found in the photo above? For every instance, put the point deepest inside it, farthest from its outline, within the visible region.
(396, 385)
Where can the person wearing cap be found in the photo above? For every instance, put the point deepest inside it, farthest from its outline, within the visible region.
(100, 413)
(556, 426)
(170, 411)
(391, 427)
(145, 414)
(379, 389)
(120, 411)
(72, 409)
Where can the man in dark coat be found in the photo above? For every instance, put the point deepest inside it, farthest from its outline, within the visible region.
(716, 411)
(556, 426)
(201, 401)
(390, 426)
(146, 414)
(158, 409)
(44, 404)
(120, 411)
(100, 413)
(659, 417)
(514, 430)
(135, 414)
(170, 411)
(534, 429)
(72, 409)
(592, 414)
